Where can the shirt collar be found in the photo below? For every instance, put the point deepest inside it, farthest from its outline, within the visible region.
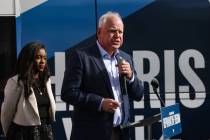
(104, 53)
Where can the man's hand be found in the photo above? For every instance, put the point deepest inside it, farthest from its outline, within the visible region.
(109, 105)
(125, 69)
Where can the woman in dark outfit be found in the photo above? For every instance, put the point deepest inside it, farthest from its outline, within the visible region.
(28, 109)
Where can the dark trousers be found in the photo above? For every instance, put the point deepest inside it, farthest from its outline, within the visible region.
(120, 134)
(17, 132)
(116, 133)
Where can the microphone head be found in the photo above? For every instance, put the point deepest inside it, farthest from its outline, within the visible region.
(121, 60)
(155, 83)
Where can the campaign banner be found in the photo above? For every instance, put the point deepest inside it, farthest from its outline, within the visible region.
(171, 121)
(168, 40)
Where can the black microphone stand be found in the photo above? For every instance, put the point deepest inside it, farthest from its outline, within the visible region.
(155, 85)
(161, 101)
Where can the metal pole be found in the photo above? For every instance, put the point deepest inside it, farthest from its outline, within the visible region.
(149, 132)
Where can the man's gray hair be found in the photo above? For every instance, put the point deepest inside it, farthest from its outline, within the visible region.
(104, 17)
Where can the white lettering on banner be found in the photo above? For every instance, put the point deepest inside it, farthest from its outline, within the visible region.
(67, 127)
(154, 69)
(169, 69)
(171, 113)
(187, 71)
(139, 131)
(169, 73)
(58, 80)
(192, 77)
(171, 120)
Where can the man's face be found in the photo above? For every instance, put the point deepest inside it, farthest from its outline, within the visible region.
(110, 34)
(40, 59)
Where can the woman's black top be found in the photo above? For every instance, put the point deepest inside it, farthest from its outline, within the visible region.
(43, 102)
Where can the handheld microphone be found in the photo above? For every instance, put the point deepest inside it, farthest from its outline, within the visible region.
(155, 85)
(122, 78)
(120, 62)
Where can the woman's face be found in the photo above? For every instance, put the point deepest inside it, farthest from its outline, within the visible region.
(40, 59)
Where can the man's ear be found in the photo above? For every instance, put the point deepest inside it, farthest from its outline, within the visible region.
(98, 31)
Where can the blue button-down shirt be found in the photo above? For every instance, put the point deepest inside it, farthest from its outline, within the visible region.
(113, 72)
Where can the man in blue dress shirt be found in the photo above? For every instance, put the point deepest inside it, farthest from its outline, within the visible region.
(92, 84)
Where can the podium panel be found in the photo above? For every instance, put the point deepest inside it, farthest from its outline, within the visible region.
(171, 121)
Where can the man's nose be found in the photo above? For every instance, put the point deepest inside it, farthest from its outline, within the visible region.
(117, 34)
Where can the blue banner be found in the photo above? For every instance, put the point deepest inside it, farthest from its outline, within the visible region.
(168, 39)
(171, 121)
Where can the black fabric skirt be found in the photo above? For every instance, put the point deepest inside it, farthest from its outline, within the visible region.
(18, 132)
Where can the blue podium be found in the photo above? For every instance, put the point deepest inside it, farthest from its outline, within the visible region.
(171, 121)
(170, 118)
